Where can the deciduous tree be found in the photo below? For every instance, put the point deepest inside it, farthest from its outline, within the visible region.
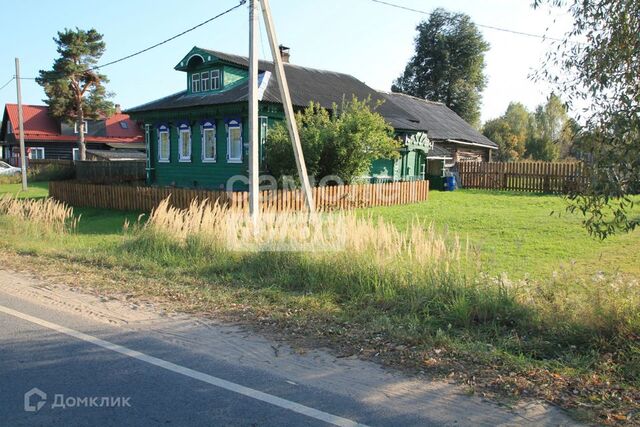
(448, 64)
(510, 132)
(549, 130)
(597, 64)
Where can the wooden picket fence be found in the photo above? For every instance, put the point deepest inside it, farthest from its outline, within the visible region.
(535, 177)
(144, 199)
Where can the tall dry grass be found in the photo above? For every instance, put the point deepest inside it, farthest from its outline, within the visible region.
(219, 227)
(367, 262)
(418, 281)
(48, 214)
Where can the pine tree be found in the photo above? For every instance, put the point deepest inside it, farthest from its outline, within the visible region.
(74, 88)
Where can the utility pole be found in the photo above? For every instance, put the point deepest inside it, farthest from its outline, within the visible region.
(23, 159)
(254, 184)
(285, 96)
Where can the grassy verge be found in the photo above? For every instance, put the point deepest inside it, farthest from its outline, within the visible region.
(412, 300)
(36, 190)
(522, 234)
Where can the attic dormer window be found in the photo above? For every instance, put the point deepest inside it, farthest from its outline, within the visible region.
(215, 79)
(195, 82)
(204, 79)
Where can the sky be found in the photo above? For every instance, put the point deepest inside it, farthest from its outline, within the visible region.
(368, 40)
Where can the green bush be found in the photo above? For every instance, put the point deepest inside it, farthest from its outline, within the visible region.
(342, 142)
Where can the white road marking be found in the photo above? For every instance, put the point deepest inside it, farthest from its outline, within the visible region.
(218, 382)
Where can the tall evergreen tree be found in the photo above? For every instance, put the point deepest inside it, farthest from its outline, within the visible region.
(448, 64)
(75, 90)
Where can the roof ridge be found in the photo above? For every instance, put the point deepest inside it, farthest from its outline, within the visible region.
(26, 105)
(287, 64)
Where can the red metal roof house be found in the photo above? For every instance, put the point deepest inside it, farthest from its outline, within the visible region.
(47, 138)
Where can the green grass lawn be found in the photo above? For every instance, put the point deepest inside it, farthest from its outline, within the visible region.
(36, 190)
(96, 227)
(521, 234)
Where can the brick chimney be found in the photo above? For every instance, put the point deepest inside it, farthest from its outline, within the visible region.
(285, 53)
(118, 109)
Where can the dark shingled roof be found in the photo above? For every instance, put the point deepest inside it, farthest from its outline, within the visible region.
(328, 87)
(305, 85)
(438, 120)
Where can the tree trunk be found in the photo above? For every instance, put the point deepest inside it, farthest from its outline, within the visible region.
(82, 147)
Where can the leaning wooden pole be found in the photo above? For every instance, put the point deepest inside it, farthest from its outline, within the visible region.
(254, 190)
(285, 96)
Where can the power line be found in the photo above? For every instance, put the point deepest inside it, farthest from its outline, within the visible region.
(242, 2)
(7, 83)
(124, 58)
(491, 27)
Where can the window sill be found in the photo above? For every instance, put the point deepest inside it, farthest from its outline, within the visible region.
(237, 161)
(164, 161)
(208, 160)
(184, 161)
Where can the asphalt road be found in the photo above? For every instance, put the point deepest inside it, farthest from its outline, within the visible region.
(164, 373)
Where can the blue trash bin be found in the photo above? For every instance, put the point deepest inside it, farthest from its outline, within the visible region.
(450, 183)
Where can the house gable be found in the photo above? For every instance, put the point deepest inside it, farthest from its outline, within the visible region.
(207, 73)
(4, 128)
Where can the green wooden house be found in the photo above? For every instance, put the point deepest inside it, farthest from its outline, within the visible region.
(198, 137)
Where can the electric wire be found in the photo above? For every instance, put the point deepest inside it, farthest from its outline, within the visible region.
(124, 58)
(7, 83)
(491, 27)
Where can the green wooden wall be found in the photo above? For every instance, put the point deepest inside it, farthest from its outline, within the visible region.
(207, 175)
(196, 173)
(384, 169)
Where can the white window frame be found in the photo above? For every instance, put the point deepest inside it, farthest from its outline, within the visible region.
(204, 81)
(164, 130)
(215, 77)
(195, 82)
(209, 127)
(75, 154)
(184, 157)
(234, 124)
(85, 125)
(39, 149)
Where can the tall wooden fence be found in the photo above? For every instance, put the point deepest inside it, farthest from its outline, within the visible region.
(538, 177)
(131, 198)
(105, 172)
